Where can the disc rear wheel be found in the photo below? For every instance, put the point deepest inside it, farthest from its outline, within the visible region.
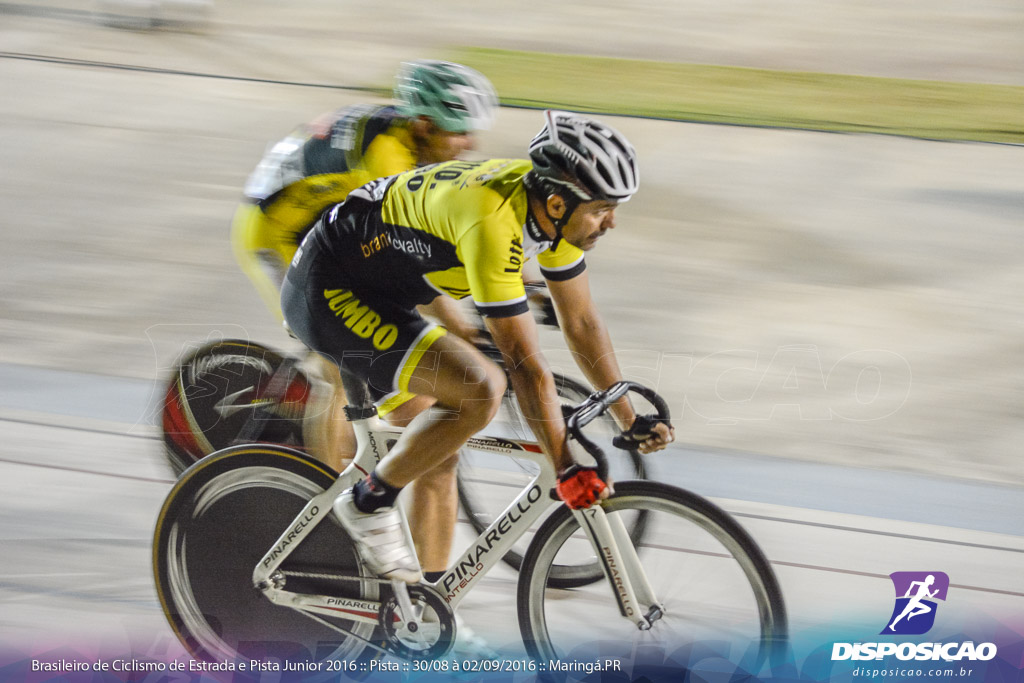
(219, 520)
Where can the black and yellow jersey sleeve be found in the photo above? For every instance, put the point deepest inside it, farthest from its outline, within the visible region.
(563, 263)
(458, 228)
(320, 164)
(358, 138)
(493, 253)
(390, 153)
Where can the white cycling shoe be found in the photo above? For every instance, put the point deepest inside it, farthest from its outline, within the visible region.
(380, 539)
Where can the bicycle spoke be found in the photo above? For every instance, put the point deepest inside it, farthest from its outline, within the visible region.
(704, 592)
(708, 585)
(488, 482)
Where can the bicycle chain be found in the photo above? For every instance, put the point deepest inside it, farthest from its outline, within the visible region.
(393, 646)
(332, 577)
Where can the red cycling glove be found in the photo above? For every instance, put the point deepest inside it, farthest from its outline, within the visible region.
(580, 486)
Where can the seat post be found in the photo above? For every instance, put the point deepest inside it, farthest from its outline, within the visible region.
(360, 405)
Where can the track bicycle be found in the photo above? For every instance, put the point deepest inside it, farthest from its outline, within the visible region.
(234, 391)
(247, 565)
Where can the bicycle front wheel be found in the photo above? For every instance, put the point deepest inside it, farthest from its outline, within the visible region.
(709, 576)
(220, 518)
(488, 482)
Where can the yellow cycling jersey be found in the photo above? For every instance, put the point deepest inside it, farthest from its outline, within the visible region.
(459, 228)
(303, 174)
(319, 164)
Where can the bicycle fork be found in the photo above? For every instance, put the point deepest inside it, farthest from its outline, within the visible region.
(621, 566)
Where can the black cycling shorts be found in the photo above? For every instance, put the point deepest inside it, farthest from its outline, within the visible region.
(357, 327)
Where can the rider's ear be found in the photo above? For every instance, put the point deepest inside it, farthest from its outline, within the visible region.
(556, 206)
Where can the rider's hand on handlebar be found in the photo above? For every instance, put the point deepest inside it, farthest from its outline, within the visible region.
(580, 487)
(649, 434)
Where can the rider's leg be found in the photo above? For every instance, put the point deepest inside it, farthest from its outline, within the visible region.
(432, 515)
(394, 350)
(468, 388)
(253, 241)
(433, 503)
(263, 255)
(332, 440)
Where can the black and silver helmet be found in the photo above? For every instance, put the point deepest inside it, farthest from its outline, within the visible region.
(592, 159)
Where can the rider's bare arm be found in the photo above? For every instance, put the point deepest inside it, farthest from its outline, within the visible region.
(533, 383)
(588, 339)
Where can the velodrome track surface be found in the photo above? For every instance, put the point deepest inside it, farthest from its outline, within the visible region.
(81, 494)
(835, 318)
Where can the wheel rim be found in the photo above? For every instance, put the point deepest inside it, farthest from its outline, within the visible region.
(186, 573)
(711, 588)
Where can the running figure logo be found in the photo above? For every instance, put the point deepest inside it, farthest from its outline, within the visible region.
(916, 593)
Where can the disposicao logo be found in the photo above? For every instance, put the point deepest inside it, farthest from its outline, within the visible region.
(914, 614)
(916, 593)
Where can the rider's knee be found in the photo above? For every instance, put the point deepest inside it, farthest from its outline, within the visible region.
(485, 387)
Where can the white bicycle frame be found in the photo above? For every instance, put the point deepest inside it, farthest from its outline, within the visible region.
(607, 534)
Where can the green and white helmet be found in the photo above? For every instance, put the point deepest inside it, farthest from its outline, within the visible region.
(455, 97)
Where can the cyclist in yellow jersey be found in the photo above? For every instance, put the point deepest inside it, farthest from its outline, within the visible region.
(439, 106)
(460, 229)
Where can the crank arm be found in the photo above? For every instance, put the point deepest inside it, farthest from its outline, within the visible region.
(401, 589)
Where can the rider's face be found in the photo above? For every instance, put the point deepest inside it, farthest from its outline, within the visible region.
(437, 145)
(589, 222)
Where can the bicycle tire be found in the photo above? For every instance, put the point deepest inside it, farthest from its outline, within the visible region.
(195, 424)
(690, 543)
(218, 521)
(481, 510)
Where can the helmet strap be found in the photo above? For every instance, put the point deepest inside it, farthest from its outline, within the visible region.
(545, 188)
(571, 202)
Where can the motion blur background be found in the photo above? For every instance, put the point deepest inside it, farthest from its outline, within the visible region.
(835, 318)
